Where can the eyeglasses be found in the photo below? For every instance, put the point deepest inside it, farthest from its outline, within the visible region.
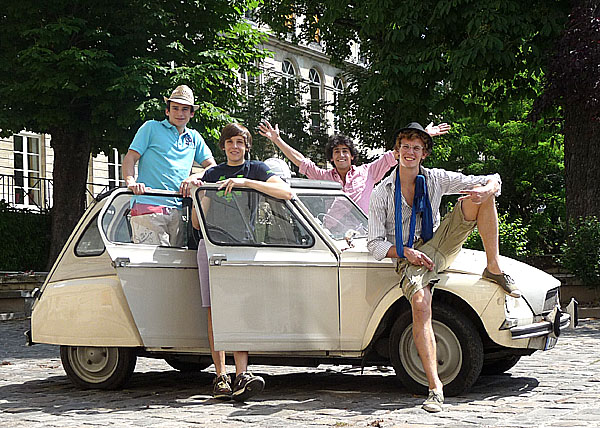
(416, 149)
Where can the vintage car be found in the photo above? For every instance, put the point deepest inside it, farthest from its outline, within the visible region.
(291, 281)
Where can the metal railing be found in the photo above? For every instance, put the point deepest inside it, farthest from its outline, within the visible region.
(36, 193)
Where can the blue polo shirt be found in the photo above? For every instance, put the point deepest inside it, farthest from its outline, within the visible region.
(166, 157)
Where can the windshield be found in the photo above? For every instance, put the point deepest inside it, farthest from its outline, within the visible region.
(246, 217)
(337, 214)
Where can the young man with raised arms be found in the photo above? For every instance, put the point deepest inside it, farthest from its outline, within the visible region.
(356, 181)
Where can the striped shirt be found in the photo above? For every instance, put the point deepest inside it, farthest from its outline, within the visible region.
(381, 208)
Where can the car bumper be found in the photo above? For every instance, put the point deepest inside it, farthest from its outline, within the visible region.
(552, 325)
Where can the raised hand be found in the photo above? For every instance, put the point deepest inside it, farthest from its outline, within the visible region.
(435, 130)
(266, 130)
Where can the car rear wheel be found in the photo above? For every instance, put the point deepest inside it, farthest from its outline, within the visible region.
(98, 367)
(459, 351)
(495, 367)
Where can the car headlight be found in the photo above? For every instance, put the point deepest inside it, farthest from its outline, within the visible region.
(510, 304)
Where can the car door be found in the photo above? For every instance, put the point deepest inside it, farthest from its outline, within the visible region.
(273, 280)
(160, 283)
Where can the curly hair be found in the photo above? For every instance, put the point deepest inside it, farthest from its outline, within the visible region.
(340, 140)
(233, 130)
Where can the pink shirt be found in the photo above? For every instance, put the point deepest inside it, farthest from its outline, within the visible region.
(360, 180)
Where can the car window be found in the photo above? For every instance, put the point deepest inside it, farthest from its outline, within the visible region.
(337, 214)
(246, 217)
(90, 243)
(157, 220)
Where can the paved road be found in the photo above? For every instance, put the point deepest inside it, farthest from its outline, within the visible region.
(557, 388)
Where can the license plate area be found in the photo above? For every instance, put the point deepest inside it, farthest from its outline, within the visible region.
(550, 343)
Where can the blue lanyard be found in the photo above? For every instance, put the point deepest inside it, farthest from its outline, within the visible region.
(420, 204)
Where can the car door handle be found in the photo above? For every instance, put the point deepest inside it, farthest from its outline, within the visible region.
(121, 262)
(217, 259)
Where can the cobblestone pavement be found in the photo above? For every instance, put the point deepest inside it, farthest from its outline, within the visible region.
(557, 388)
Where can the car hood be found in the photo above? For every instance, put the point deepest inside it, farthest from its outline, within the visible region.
(536, 285)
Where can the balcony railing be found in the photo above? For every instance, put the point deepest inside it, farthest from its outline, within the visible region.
(36, 193)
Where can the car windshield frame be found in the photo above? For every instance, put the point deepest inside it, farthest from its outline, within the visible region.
(300, 236)
(349, 222)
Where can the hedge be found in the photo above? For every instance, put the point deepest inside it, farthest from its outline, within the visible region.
(25, 237)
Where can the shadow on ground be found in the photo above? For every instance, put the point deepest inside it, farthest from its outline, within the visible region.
(333, 389)
(285, 392)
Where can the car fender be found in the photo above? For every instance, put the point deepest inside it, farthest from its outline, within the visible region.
(485, 298)
(84, 312)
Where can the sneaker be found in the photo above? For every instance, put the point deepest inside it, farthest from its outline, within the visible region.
(504, 280)
(246, 385)
(222, 387)
(434, 402)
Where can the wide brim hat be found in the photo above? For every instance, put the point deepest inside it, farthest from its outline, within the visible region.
(183, 95)
(416, 126)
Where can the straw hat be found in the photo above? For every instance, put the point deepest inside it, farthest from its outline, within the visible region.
(183, 95)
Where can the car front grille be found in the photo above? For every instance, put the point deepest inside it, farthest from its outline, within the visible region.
(551, 300)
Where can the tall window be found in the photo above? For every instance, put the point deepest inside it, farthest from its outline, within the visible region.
(315, 97)
(338, 91)
(114, 169)
(288, 72)
(27, 170)
(287, 69)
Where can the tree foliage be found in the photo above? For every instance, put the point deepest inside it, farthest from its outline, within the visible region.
(581, 253)
(424, 56)
(573, 76)
(573, 85)
(512, 238)
(279, 100)
(528, 157)
(88, 73)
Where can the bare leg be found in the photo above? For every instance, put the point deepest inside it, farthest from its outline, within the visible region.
(218, 357)
(487, 224)
(241, 361)
(424, 337)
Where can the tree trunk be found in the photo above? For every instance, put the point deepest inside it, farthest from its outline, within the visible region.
(71, 158)
(582, 162)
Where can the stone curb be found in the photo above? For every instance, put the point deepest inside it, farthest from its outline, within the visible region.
(588, 312)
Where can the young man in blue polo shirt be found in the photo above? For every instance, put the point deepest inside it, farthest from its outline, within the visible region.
(166, 151)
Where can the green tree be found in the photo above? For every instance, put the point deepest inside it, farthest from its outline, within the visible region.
(88, 73)
(422, 57)
(475, 58)
(573, 85)
(279, 99)
(528, 157)
(581, 254)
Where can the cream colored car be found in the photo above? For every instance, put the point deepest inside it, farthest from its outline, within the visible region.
(291, 281)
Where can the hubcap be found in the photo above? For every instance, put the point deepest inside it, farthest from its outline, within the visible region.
(449, 354)
(93, 365)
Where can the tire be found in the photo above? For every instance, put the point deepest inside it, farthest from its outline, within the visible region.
(186, 366)
(98, 367)
(496, 367)
(459, 351)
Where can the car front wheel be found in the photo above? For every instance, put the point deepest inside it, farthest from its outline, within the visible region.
(98, 367)
(459, 351)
